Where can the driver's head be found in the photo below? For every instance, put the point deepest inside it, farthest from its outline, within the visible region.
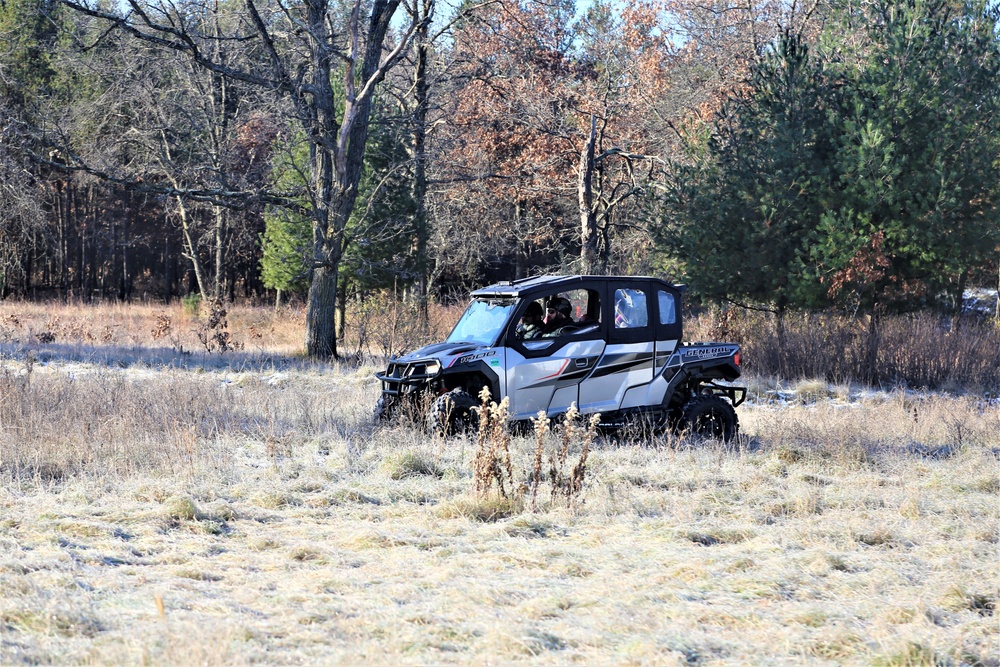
(533, 314)
(557, 310)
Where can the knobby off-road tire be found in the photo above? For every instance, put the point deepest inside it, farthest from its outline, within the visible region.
(710, 417)
(383, 411)
(454, 412)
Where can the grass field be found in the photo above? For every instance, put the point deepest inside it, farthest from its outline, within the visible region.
(168, 508)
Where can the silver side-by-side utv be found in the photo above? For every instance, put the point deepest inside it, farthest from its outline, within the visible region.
(616, 349)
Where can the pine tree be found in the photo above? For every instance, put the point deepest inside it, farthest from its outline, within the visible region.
(918, 156)
(743, 216)
(863, 170)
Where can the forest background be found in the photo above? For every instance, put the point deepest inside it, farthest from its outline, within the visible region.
(179, 486)
(836, 156)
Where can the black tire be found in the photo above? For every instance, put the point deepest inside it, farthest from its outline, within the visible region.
(383, 411)
(710, 417)
(454, 412)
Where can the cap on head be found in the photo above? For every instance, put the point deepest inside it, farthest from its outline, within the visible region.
(561, 305)
(534, 310)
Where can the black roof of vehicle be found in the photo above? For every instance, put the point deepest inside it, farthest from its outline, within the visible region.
(557, 283)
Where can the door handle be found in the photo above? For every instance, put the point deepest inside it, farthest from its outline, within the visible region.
(582, 363)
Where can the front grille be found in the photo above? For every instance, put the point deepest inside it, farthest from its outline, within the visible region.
(402, 378)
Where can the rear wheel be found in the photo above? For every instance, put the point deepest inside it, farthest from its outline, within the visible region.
(454, 412)
(710, 417)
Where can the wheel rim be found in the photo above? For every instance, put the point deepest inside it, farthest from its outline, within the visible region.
(710, 425)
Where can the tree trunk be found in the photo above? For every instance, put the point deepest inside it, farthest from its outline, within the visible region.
(321, 329)
(341, 309)
(779, 317)
(871, 353)
(956, 321)
(421, 90)
(191, 248)
(585, 195)
(220, 251)
(168, 270)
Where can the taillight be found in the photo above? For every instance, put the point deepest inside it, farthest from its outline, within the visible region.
(736, 358)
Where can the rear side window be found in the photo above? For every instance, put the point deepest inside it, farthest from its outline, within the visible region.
(631, 311)
(668, 308)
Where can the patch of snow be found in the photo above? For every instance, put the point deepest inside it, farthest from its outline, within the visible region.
(982, 301)
(276, 380)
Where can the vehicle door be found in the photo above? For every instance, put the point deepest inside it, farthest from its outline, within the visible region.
(622, 376)
(544, 373)
(667, 324)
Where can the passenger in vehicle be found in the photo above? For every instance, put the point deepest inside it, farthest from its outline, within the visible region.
(587, 322)
(557, 318)
(622, 308)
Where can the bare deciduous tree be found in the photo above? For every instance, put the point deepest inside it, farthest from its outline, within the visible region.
(323, 65)
(22, 220)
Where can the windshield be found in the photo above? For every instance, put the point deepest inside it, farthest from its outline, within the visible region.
(482, 321)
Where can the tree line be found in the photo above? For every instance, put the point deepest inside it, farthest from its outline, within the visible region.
(838, 153)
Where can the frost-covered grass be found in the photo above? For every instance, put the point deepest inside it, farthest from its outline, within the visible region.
(207, 513)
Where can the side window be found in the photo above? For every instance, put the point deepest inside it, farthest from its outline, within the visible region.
(668, 308)
(570, 313)
(631, 310)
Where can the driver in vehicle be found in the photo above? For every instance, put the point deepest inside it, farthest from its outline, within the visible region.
(531, 322)
(557, 320)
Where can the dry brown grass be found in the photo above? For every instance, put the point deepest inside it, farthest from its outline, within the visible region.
(163, 505)
(219, 513)
(375, 327)
(30, 324)
(917, 351)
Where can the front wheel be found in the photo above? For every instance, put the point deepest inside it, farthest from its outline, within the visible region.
(710, 417)
(454, 412)
(383, 411)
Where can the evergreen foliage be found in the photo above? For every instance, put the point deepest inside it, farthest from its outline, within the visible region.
(918, 156)
(863, 173)
(287, 239)
(378, 250)
(380, 253)
(744, 214)
(28, 33)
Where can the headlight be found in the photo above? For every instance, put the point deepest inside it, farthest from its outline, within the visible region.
(432, 368)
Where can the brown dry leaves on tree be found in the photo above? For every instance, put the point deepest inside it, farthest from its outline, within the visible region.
(523, 117)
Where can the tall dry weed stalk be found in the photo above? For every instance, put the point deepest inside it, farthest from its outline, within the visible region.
(492, 465)
(541, 424)
(569, 483)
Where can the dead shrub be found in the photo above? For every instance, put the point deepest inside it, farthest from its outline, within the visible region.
(381, 324)
(493, 470)
(214, 333)
(162, 327)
